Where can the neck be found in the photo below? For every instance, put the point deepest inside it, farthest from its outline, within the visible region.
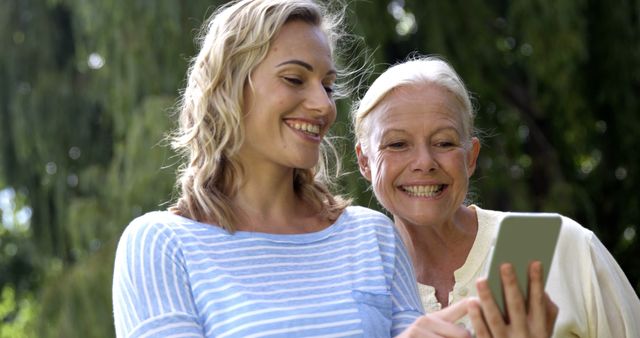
(266, 202)
(437, 250)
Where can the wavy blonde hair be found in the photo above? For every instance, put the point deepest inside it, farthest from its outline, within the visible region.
(233, 42)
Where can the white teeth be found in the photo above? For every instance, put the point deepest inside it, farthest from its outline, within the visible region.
(423, 190)
(306, 127)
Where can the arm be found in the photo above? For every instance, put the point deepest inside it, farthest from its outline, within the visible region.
(151, 293)
(613, 304)
(406, 306)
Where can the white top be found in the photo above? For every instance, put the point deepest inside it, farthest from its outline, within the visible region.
(174, 277)
(594, 297)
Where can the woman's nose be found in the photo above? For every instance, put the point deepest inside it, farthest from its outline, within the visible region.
(320, 100)
(424, 160)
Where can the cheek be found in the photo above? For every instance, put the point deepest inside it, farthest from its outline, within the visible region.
(463, 163)
(333, 114)
(459, 168)
(382, 178)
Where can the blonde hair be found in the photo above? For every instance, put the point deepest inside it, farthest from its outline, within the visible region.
(417, 70)
(233, 42)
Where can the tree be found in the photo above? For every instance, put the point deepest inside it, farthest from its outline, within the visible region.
(87, 88)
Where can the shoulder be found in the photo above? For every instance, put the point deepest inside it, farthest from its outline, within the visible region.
(365, 219)
(570, 228)
(145, 235)
(488, 220)
(364, 215)
(149, 225)
(574, 229)
(169, 224)
(369, 225)
(573, 236)
(161, 230)
(574, 239)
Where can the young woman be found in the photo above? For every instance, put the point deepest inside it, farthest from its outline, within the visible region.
(415, 143)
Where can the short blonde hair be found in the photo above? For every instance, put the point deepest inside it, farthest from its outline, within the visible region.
(415, 71)
(233, 42)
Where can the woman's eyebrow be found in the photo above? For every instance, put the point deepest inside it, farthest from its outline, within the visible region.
(296, 62)
(303, 64)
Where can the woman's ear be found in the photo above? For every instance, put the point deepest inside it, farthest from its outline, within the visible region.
(363, 162)
(472, 156)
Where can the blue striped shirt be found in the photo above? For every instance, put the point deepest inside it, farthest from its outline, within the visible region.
(174, 277)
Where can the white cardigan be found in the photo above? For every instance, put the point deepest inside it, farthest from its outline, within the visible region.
(592, 292)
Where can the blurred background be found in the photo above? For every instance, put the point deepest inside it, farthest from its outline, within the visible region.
(87, 88)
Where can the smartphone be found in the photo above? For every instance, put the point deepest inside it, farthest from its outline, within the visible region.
(523, 238)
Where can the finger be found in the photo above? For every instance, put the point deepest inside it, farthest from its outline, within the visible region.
(537, 309)
(453, 312)
(477, 320)
(432, 326)
(552, 312)
(514, 300)
(491, 313)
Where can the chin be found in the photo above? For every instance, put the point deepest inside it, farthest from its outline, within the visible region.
(416, 216)
(306, 165)
(308, 162)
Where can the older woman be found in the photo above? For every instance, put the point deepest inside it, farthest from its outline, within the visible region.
(416, 144)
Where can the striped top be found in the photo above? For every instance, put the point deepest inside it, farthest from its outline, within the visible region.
(175, 277)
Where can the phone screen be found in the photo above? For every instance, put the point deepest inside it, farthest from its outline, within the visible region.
(523, 238)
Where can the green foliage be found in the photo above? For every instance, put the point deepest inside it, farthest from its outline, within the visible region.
(77, 303)
(87, 88)
(17, 314)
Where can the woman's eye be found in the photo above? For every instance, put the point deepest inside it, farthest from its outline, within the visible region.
(293, 80)
(445, 144)
(329, 89)
(396, 145)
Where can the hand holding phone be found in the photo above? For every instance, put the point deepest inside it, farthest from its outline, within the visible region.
(534, 318)
(523, 238)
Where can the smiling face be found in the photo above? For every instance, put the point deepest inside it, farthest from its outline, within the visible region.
(288, 103)
(417, 156)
